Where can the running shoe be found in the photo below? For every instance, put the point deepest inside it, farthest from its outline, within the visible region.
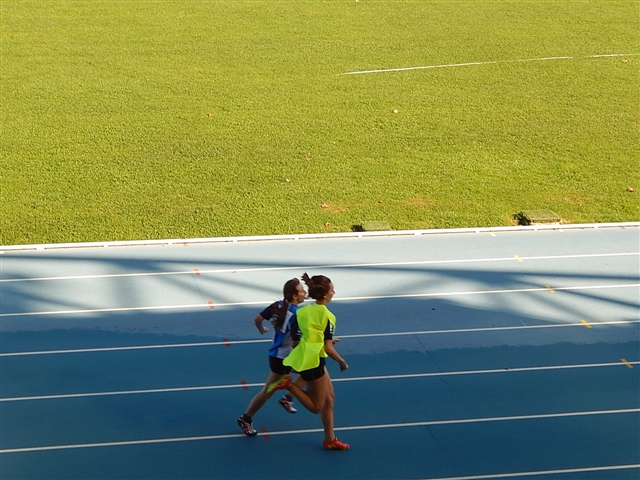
(280, 384)
(247, 427)
(335, 444)
(287, 405)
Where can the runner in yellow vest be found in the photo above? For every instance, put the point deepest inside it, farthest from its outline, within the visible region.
(313, 327)
(312, 321)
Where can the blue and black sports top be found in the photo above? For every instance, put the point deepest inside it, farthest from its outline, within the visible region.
(281, 345)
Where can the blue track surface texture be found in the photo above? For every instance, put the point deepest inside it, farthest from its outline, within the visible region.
(511, 354)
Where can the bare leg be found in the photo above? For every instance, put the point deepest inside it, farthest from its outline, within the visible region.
(303, 397)
(299, 381)
(326, 414)
(319, 398)
(262, 396)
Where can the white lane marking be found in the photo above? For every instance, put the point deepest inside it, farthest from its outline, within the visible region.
(132, 392)
(485, 329)
(342, 299)
(357, 335)
(351, 379)
(135, 347)
(136, 309)
(469, 64)
(313, 267)
(316, 430)
(486, 292)
(541, 472)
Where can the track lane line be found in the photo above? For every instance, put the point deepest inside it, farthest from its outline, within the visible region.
(604, 468)
(335, 380)
(310, 267)
(317, 430)
(356, 335)
(341, 299)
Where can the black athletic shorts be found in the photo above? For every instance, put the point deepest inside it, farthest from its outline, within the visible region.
(276, 366)
(314, 373)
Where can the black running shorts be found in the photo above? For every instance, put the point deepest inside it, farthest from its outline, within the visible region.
(276, 366)
(314, 373)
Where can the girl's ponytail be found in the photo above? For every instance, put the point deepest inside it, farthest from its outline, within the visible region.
(280, 314)
(289, 290)
(318, 285)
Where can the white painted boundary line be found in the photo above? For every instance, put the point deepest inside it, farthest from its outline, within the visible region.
(343, 299)
(317, 267)
(541, 472)
(352, 379)
(317, 430)
(359, 335)
(318, 236)
(469, 64)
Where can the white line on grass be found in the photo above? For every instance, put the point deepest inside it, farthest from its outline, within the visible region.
(452, 65)
(317, 430)
(315, 267)
(357, 335)
(342, 299)
(352, 379)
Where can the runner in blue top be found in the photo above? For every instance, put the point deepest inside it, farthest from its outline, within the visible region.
(280, 314)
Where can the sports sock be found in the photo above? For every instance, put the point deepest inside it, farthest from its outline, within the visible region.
(246, 418)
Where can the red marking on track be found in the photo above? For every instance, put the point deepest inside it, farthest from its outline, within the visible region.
(226, 342)
(264, 430)
(244, 384)
(197, 272)
(211, 305)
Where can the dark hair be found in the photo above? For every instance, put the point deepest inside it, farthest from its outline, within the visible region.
(318, 285)
(289, 290)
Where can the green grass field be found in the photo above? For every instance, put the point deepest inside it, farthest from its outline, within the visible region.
(126, 120)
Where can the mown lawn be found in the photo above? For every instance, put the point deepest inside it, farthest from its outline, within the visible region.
(125, 120)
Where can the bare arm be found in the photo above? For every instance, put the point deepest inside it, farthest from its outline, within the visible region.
(258, 321)
(334, 355)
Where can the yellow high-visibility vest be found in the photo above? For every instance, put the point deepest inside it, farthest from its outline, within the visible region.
(312, 321)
